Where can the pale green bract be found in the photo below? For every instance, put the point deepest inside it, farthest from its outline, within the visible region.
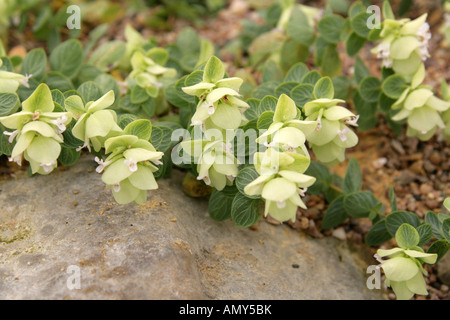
(128, 170)
(10, 81)
(332, 135)
(404, 268)
(219, 105)
(94, 123)
(281, 167)
(38, 131)
(216, 164)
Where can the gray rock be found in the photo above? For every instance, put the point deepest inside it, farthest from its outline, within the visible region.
(56, 227)
(443, 269)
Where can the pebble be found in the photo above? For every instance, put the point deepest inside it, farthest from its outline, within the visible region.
(425, 189)
(435, 158)
(340, 234)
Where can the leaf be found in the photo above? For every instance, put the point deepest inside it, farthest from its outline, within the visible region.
(298, 27)
(265, 120)
(220, 203)
(271, 72)
(425, 233)
(67, 58)
(354, 43)
(330, 27)
(394, 86)
(406, 236)
(378, 234)
(285, 88)
(361, 70)
(245, 211)
(397, 218)
(302, 94)
(141, 128)
(360, 204)
(322, 175)
(35, 63)
(312, 77)
(296, 72)
(68, 156)
(331, 63)
(89, 91)
(57, 80)
(335, 214)
(268, 103)
(432, 219)
(392, 199)
(324, 89)
(138, 95)
(161, 137)
(439, 247)
(353, 177)
(446, 228)
(359, 24)
(244, 177)
(9, 103)
(370, 88)
(387, 10)
(108, 55)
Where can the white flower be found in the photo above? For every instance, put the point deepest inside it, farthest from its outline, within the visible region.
(227, 147)
(231, 177)
(116, 187)
(157, 162)
(85, 145)
(342, 133)
(157, 84)
(319, 125)
(205, 178)
(132, 164)
(302, 191)
(424, 35)
(101, 164)
(281, 204)
(24, 82)
(384, 52)
(210, 107)
(352, 121)
(447, 19)
(288, 147)
(17, 159)
(48, 166)
(11, 135)
(60, 123)
(123, 87)
(36, 115)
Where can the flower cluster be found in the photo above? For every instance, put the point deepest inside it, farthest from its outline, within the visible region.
(404, 268)
(219, 105)
(149, 73)
(404, 44)
(421, 109)
(38, 131)
(216, 163)
(94, 123)
(128, 170)
(332, 135)
(281, 167)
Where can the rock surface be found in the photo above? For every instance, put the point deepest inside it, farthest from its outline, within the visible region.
(56, 227)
